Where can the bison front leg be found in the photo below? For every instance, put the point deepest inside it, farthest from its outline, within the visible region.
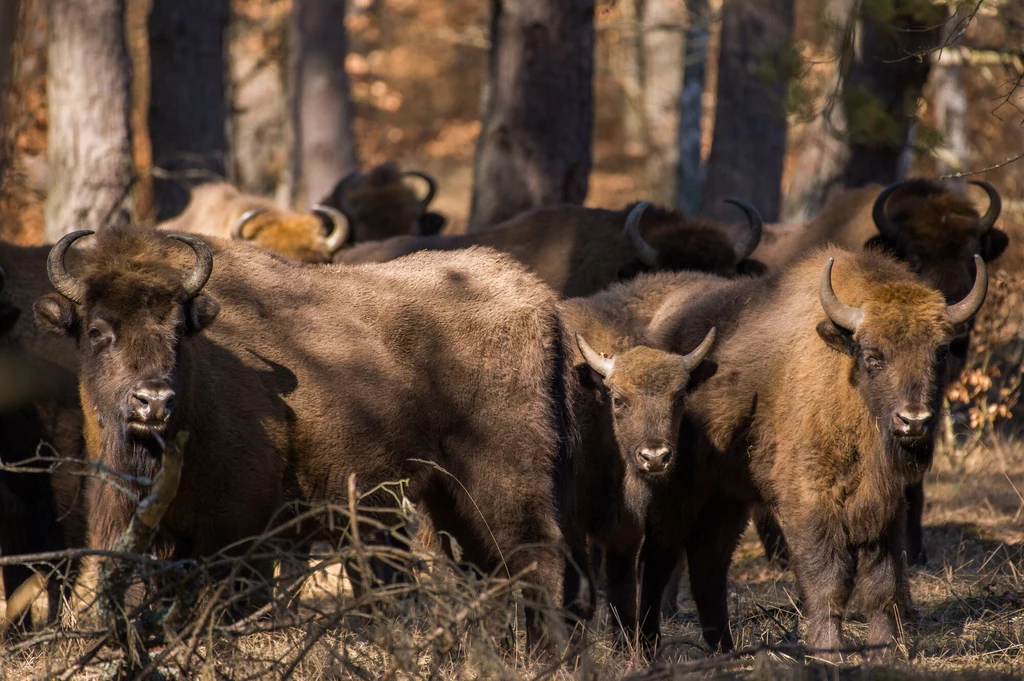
(915, 513)
(824, 569)
(709, 552)
(884, 591)
(620, 568)
(657, 561)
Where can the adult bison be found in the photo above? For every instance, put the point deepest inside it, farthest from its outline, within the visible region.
(381, 204)
(447, 371)
(579, 251)
(934, 230)
(628, 408)
(822, 408)
(40, 417)
(220, 209)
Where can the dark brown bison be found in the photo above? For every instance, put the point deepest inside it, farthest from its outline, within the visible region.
(821, 407)
(579, 251)
(220, 209)
(934, 230)
(628, 409)
(381, 204)
(447, 371)
(39, 417)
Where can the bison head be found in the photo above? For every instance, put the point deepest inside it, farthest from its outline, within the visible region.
(938, 232)
(307, 238)
(382, 204)
(676, 243)
(646, 389)
(898, 340)
(128, 312)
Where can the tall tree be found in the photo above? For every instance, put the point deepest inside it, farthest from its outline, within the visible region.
(663, 42)
(8, 33)
(534, 147)
(749, 142)
(188, 102)
(323, 147)
(89, 135)
(690, 172)
(882, 89)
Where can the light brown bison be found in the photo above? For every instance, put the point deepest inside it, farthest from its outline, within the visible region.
(381, 204)
(445, 371)
(628, 408)
(821, 407)
(220, 209)
(39, 416)
(934, 230)
(579, 251)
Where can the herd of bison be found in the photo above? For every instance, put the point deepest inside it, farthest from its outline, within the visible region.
(573, 388)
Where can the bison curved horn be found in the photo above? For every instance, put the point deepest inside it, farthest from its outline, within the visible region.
(697, 355)
(885, 226)
(239, 225)
(339, 232)
(841, 314)
(644, 251)
(747, 245)
(959, 313)
(200, 274)
(602, 365)
(64, 283)
(995, 205)
(431, 186)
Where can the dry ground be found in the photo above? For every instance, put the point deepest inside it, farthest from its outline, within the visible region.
(970, 598)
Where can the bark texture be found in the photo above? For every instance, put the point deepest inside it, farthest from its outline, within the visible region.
(882, 89)
(749, 141)
(534, 147)
(188, 102)
(89, 139)
(663, 43)
(323, 147)
(8, 34)
(690, 171)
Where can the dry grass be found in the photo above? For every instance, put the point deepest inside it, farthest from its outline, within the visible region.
(445, 624)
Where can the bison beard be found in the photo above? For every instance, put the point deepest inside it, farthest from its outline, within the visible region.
(456, 360)
(820, 408)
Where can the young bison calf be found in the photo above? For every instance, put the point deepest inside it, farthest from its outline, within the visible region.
(628, 406)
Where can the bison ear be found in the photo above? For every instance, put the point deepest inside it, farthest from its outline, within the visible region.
(56, 314)
(431, 224)
(993, 243)
(836, 338)
(201, 312)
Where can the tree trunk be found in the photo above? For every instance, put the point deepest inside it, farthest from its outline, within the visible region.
(818, 150)
(749, 142)
(690, 173)
(663, 42)
(90, 151)
(8, 34)
(534, 148)
(626, 61)
(187, 106)
(323, 147)
(882, 89)
(257, 125)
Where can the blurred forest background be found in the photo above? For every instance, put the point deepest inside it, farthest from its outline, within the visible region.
(775, 101)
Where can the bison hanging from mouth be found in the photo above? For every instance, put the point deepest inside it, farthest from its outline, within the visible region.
(821, 408)
(934, 230)
(579, 251)
(291, 377)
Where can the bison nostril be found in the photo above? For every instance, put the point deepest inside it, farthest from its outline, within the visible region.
(912, 423)
(153, 402)
(654, 457)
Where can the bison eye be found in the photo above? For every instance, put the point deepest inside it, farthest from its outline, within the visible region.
(99, 336)
(618, 402)
(873, 360)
